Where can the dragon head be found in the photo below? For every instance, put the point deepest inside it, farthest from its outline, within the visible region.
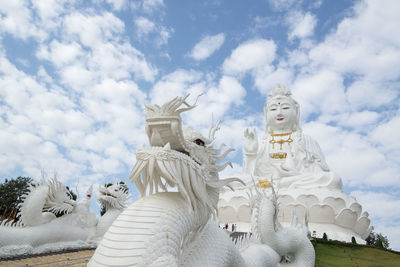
(180, 157)
(59, 199)
(113, 196)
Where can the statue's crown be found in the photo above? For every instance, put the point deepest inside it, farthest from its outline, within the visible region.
(279, 89)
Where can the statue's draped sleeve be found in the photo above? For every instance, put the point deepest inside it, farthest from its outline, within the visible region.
(310, 157)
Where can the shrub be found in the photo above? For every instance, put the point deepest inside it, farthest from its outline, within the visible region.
(325, 237)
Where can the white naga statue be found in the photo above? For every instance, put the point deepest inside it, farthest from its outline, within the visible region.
(39, 230)
(295, 164)
(177, 227)
(113, 198)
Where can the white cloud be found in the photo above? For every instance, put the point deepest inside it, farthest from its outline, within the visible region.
(364, 45)
(31, 153)
(93, 29)
(77, 77)
(354, 157)
(267, 77)
(361, 118)
(81, 120)
(321, 91)
(144, 26)
(386, 133)
(164, 36)
(218, 99)
(151, 31)
(316, 4)
(41, 124)
(297, 58)
(250, 55)
(300, 25)
(120, 61)
(207, 46)
(118, 4)
(121, 93)
(218, 95)
(229, 91)
(48, 13)
(93, 51)
(60, 54)
(364, 93)
(150, 6)
(149, 22)
(357, 120)
(174, 84)
(16, 18)
(281, 4)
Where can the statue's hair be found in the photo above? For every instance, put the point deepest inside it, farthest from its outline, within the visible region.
(278, 92)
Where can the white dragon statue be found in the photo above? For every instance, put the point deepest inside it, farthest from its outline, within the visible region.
(165, 228)
(38, 225)
(113, 198)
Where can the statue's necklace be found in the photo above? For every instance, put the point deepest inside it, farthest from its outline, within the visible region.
(280, 141)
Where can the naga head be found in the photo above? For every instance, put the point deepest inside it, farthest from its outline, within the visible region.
(265, 204)
(59, 199)
(179, 156)
(113, 196)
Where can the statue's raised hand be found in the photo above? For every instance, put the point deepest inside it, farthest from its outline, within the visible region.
(250, 144)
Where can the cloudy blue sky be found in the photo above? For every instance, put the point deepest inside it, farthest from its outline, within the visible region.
(74, 75)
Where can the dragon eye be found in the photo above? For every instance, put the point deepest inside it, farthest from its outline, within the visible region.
(199, 142)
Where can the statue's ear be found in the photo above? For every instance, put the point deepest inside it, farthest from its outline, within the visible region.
(267, 130)
(297, 126)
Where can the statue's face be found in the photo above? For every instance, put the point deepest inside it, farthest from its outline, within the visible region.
(281, 114)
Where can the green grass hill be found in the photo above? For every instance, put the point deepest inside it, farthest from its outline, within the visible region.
(334, 253)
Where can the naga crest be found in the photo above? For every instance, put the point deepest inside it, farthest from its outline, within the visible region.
(180, 157)
(113, 196)
(49, 195)
(59, 199)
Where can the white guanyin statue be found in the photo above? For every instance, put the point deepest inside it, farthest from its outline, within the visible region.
(295, 164)
(292, 158)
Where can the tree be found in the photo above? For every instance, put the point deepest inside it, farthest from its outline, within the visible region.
(382, 241)
(325, 237)
(11, 192)
(377, 240)
(371, 239)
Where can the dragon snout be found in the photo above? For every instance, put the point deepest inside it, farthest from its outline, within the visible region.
(165, 129)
